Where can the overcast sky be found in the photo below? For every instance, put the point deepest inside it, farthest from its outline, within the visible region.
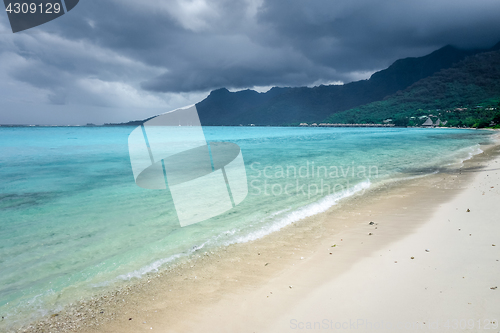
(117, 60)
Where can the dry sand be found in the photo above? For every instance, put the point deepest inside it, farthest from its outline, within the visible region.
(386, 281)
(377, 276)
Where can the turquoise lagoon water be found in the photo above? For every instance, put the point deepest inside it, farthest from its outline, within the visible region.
(73, 222)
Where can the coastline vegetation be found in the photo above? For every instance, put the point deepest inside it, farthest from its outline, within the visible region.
(465, 95)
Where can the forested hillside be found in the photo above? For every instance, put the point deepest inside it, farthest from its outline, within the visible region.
(286, 106)
(464, 95)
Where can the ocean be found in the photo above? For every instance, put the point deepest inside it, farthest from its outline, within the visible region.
(74, 223)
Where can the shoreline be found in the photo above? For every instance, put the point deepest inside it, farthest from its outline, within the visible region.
(212, 278)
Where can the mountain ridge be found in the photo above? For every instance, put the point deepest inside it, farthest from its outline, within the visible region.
(292, 105)
(466, 94)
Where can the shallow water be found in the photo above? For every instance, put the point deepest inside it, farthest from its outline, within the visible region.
(73, 221)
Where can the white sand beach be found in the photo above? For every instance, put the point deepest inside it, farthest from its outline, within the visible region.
(443, 276)
(417, 255)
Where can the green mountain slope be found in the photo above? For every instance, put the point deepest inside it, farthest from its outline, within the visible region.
(281, 106)
(463, 94)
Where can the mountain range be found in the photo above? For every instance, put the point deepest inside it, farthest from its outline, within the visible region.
(281, 106)
(466, 94)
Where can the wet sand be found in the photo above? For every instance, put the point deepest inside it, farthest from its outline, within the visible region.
(333, 268)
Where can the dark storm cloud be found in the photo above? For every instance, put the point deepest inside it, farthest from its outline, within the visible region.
(162, 54)
(296, 42)
(364, 34)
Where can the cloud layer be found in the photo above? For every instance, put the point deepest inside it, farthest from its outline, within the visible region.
(128, 59)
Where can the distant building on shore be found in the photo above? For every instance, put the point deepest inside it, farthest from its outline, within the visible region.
(439, 122)
(428, 123)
